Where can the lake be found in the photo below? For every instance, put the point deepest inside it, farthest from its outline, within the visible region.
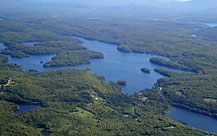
(115, 66)
(24, 107)
(195, 120)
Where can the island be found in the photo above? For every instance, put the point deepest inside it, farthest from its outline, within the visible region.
(122, 82)
(80, 102)
(124, 48)
(145, 70)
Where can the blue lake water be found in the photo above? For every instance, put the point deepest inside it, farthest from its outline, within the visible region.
(118, 66)
(122, 66)
(195, 120)
(1, 19)
(115, 66)
(23, 107)
(32, 62)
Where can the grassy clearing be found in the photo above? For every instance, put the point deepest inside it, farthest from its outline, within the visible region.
(210, 100)
(82, 113)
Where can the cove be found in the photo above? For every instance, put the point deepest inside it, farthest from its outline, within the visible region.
(115, 66)
(195, 120)
(31, 62)
(118, 65)
(25, 107)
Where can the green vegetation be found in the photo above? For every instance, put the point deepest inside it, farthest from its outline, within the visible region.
(189, 90)
(78, 102)
(72, 58)
(10, 124)
(69, 51)
(209, 100)
(82, 113)
(145, 70)
(70, 107)
(170, 64)
(170, 39)
(124, 48)
(122, 82)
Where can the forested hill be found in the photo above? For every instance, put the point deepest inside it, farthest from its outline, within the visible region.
(77, 102)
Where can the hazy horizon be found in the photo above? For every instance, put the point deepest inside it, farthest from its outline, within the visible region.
(109, 8)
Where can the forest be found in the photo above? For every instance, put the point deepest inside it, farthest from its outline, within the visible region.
(69, 107)
(78, 102)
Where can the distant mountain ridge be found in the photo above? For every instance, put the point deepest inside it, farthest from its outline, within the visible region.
(113, 8)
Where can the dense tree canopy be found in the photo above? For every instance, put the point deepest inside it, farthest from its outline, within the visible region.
(78, 102)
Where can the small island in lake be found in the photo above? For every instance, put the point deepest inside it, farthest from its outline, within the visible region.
(122, 82)
(145, 70)
(124, 48)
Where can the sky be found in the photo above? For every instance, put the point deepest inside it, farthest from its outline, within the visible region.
(105, 3)
(169, 0)
(142, 2)
(110, 7)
